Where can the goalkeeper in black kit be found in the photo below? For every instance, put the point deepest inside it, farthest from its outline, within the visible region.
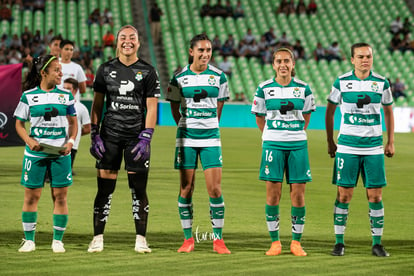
(131, 88)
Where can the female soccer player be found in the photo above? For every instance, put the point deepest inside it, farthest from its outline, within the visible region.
(50, 111)
(131, 88)
(197, 94)
(282, 106)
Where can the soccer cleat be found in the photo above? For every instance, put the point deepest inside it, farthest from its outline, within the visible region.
(96, 244)
(275, 249)
(27, 246)
(57, 247)
(141, 245)
(187, 246)
(338, 250)
(220, 247)
(297, 249)
(379, 251)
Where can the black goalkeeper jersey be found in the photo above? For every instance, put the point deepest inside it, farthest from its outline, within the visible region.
(126, 89)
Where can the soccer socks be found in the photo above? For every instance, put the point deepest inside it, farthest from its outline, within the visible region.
(102, 204)
(185, 209)
(140, 204)
(59, 226)
(217, 216)
(298, 222)
(340, 218)
(29, 220)
(272, 220)
(376, 218)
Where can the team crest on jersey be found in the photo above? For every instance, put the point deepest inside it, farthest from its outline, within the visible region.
(212, 80)
(296, 92)
(61, 99)
(138, 76)
(267, 170)
(374, 86)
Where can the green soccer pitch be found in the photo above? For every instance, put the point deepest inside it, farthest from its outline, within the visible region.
(245, 230)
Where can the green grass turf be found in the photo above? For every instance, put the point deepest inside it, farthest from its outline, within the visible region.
(245, 230)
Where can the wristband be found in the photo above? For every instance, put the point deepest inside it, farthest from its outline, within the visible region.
(72, 141)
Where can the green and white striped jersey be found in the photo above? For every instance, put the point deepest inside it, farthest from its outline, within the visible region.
(361, 123)
(283, 107)
(46, 112)
(198, 95)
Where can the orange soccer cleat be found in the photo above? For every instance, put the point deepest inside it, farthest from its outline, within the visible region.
(187, 246)
(220, 247)
(275, 249)
(297, 249)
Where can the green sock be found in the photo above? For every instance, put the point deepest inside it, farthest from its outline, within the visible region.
(272, 220)
(298, 222)
(376, 218)
(29, 220)
(217, 216)
(340, 218)
(185, 209)
(59, 226)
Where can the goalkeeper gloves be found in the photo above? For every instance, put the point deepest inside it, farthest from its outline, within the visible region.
(97, 148)
(142, 150)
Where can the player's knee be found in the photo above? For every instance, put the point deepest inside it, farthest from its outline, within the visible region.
(106, 186)
(138, 182)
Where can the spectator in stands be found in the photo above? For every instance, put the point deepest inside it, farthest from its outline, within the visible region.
(334, 52)
(216, 43)
(108, 39)
(94, 17)
(71, 69)
(406, 43)
(299, 50)
(242, 49)
(406, 26)
(54, 45)
(249, 36)
(319, 53)
(283, 7)
(238, 10)
(85, 48)
(37, 37)
(206, 9)
(398, 90)
(4, 42)
(229, 9)
(26, 37)
(396, 26)
(155, 20)
(97, 50)
(14, 57)
(38, 49)
(226, 66)
(301, 7)
(3, 57)
(284, 40)
(312, 7)
(89, 77)
(271, 37)
(227, 49)
(15, 42)
(396, 42)
(218, 9)
(6, 13)
(107, 17)
(48, 36)
(39, 5)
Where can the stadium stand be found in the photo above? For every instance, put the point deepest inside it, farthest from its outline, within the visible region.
(345, 21)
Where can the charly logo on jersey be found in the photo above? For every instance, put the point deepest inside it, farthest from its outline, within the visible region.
(61, 99)
(211, 80)
(113, 74)
(138, 76)
(374, 86)
(126, 86)
(296, 92)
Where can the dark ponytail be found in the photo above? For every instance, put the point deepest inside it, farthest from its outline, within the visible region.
(34, 78)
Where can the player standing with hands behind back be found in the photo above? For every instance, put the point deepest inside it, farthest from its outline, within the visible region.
(50, 111)
(360, 150)
(197, 94)
(131, 88)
